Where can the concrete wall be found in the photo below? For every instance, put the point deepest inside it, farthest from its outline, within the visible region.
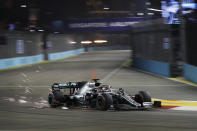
(190, 72)
(23, 48)
(20, 48)
(161, 68)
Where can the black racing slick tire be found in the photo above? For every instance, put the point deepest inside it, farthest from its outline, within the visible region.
(52, 101)
(145, 95)
(104, 101)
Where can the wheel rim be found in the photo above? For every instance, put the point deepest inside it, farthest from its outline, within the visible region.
(101, 102)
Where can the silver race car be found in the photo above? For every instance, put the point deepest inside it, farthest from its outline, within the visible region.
(95, 95)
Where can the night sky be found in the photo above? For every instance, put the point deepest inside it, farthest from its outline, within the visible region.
(50, 10)
(70, 8)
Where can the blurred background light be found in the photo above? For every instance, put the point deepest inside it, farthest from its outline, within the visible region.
(32, 30)
(72, 42)
(23, 6)
(40, 30)
(152, 9)
(150, 13)
(100, 41)
(86, 42)
(140, 14)
(106, 8)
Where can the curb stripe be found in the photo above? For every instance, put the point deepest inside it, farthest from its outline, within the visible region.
(184, 108)
(177, 104)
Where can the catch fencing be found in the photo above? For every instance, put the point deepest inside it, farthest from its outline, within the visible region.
(156, 47)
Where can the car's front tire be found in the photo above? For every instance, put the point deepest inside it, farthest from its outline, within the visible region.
(104, 101)
(145, 95)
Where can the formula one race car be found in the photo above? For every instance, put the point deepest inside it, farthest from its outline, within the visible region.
(95, 95)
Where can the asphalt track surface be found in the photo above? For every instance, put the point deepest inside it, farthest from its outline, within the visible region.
(23, 97)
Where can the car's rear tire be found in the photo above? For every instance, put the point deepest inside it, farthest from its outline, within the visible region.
(104, 101)
(52, 101)
(59, 96)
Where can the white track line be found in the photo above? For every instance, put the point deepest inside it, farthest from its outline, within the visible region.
(184, 82)
(113, 72)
